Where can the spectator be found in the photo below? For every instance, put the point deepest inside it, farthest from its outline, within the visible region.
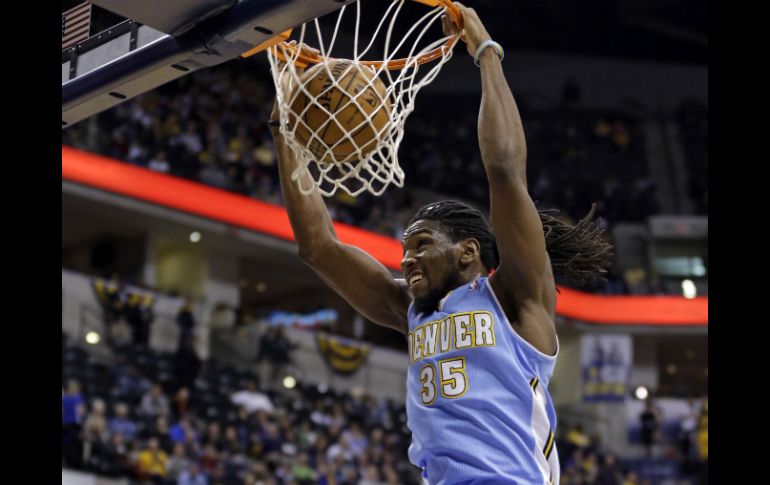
(146, 317)
(111, 296)
(122, 424)
(154, 402)
(687, 427)
(319, 416)
(185, 320)
(182, 431)
(631, 479)
(151, 463)
(356, 439)
(95, 425)
(591, 467)
(340, 449)
(112, 459)
(131, 384)
(371, 476)
(192, 476)
(181, 402)
(232, 442)
(159, 431)
(73, 409)
(301, 471)
(222, 317)
(251, 399)
(209, 460)
(577, 437)
(214, 436)
(649, 422)
(177, 463)
(702, 441)
(610, 473)
(133, 314)
(270, 438)
(274, 350)
(72, 405)
(188, 363)
(159, 163)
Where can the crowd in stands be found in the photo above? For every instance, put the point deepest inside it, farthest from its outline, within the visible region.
(210, 127)
(585, 461)
(128, 313)
(139, 417)
(151, 417)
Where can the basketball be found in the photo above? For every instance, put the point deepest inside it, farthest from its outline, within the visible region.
(317, 133)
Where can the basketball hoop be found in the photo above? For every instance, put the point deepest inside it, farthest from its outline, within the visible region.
(372, 165)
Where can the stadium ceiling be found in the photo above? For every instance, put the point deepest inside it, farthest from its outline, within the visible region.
(654, 30)
(662, 30)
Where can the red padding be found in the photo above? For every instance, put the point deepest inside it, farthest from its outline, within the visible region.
(194, 198)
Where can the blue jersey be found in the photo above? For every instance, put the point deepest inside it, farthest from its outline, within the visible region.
(477, 399)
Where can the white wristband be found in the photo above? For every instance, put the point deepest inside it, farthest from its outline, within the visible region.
(484, 45)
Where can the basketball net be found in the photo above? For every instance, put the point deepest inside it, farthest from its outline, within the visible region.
(374, 170)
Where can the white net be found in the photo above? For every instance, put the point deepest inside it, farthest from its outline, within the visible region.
(362, 156)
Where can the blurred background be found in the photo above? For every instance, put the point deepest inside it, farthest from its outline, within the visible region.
(199, 350)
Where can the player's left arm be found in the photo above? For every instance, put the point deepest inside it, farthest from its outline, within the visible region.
(523, 281)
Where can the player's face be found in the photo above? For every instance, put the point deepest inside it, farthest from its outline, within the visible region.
(430, 263)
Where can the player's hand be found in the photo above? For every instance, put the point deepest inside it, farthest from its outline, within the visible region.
(473, 32)
(285, 77)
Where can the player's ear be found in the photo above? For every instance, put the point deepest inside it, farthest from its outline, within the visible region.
(471, 250)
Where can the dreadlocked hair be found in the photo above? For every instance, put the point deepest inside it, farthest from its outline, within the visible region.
(579, 254)
(463, 222)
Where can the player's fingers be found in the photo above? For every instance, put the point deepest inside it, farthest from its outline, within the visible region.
(311, 50)
(448, 26)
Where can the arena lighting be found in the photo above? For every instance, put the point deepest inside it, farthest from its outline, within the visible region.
(671, 369)
(289, 382)
(93, 338)
(688, 289)
(261, 287)
(195, 237)
(641, 393)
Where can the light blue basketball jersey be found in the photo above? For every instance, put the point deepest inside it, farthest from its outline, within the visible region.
(477, 399)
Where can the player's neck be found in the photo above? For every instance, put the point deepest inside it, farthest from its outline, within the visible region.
(468, 274)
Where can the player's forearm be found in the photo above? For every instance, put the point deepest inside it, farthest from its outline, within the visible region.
(501, 134)
(309, 218)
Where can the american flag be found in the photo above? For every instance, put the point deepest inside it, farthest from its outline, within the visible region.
(75, 25)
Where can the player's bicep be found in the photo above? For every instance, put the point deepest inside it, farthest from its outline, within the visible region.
(364, 283)
(519, 233)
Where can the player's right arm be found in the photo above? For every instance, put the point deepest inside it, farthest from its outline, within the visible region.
(355, 275)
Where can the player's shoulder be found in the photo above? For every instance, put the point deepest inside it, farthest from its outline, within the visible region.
(406, 298)
(403, 286)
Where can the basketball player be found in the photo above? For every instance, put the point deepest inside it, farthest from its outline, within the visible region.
(481, 348)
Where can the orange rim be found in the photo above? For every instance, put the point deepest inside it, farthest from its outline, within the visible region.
(305, 57)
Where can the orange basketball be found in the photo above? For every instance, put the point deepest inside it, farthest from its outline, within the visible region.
(359, 83)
